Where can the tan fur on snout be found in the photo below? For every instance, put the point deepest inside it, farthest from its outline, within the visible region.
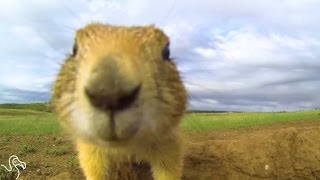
(114, 62)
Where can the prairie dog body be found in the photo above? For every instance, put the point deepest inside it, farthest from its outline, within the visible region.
(121, 97)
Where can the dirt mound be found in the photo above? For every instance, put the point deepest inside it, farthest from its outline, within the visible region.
(285, 153)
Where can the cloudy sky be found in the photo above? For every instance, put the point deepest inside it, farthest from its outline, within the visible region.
(239, 55)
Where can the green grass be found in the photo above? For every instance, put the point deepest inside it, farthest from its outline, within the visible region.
(72, 162)
(27, 148)
(5, 175)
(216, 121)
(26, 121)
(44, 107)
(57, 151)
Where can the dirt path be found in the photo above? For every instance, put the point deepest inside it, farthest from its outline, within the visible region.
(279, 151)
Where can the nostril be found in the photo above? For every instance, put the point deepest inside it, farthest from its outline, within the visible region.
(127, 99)
(112, 102)
(99, 100)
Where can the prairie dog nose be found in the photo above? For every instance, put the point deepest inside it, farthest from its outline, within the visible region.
(110, 88)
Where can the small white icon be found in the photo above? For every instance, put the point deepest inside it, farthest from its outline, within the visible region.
(14, 161)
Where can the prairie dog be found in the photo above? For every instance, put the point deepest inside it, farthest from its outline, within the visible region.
(120, 96)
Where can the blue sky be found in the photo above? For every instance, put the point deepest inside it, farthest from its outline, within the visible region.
(233, 55)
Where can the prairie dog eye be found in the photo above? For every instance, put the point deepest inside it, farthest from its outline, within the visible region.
(166, 53)
(74, 49)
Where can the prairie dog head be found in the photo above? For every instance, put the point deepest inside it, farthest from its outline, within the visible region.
(119, 85)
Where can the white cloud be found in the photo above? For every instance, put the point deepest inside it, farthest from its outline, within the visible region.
(233, 55)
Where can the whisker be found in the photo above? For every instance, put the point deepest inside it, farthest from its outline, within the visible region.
(66, 103)
(67, 109)
(69, 10)
(71, 29)
(169, 12)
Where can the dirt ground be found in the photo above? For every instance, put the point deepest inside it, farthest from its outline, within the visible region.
(278, 151)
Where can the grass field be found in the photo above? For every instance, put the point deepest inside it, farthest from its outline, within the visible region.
(218, 121)
(33, 133)
(30, 121)
(24, 121)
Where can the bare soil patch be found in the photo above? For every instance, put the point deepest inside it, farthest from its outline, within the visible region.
(278, 151)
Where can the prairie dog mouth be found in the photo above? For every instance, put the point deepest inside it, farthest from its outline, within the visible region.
(119, 130)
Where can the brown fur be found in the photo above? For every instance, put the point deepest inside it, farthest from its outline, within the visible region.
(156, 113)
